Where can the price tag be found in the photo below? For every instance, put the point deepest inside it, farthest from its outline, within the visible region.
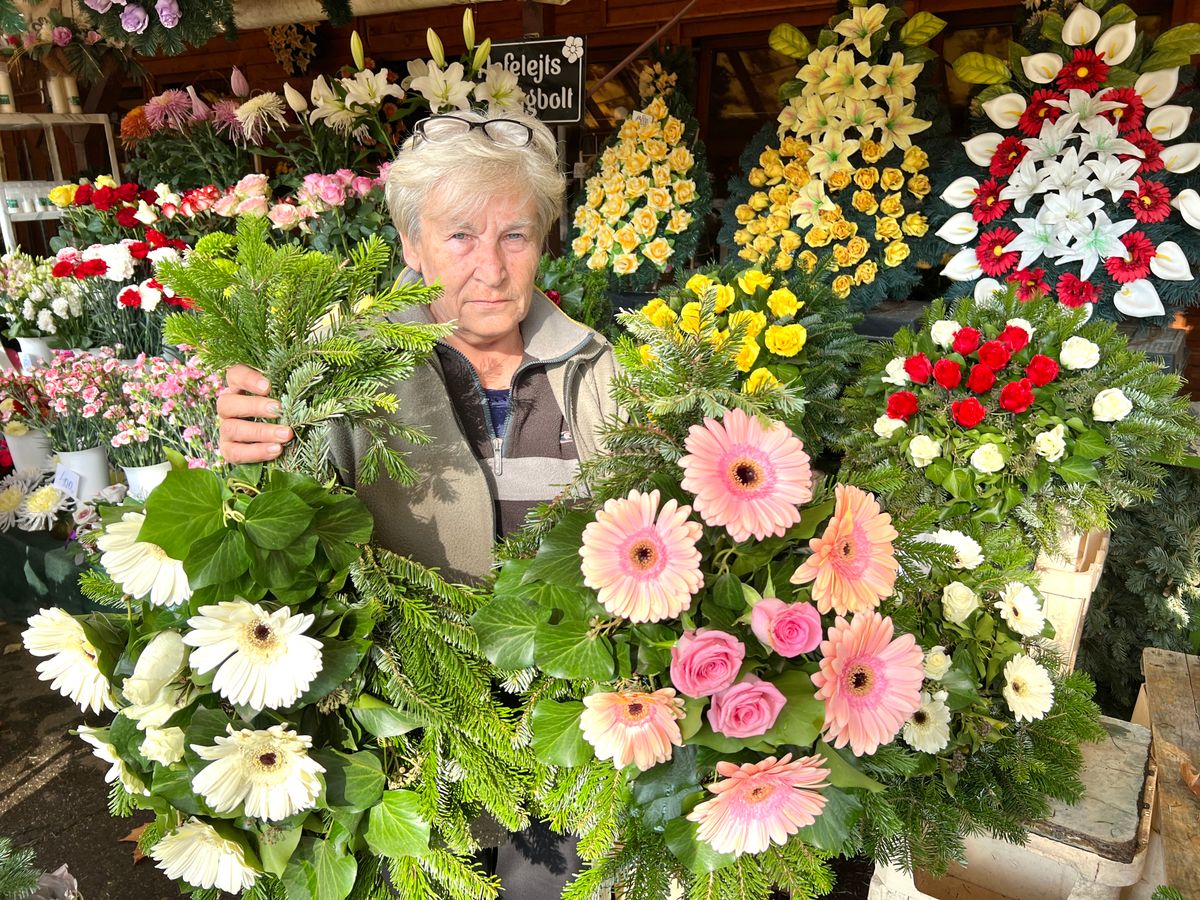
(640, 117)
(580, 169)
(67, 481)
(26, 361)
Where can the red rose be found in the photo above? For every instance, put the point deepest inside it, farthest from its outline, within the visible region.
(1016, 396)
(63, 268)
(83, 195)
(966, 341)
(1041, 370)
(947, 373)
(125, 217)
(104, 199)
(981, 379)
(150, 197)
(918, 368)
(968, 413)
(128, 192)
(902, 405)
(994, 355)
(139, 249)
(1014, 337)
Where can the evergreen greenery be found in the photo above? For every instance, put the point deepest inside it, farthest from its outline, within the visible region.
(198, 22)
(18, 874)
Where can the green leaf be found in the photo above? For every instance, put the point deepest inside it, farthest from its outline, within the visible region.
(918, 55)
(395, 827)
(220, 556)
(341, 526)
(334, 870)
(727, 592)
(1182, 38)
(339, 659)
(663, 791)
(557, 560)
(938, 470)
(979, 68)
(789, 40)
(281, 568)
(352, 780)
(557, 738)
(960, 683)
(835, 823)
(1118, 15)
(276, 518)
(1171, 57)
(1052, 26)
(844, 773)
(1077, 470)
(127, 741)
(205, 726)
(186, 507)
(811, 518)
(960, 484)
(174, 784)
(1119, 76)
(921, 29)
(381, 719)
(1091, 445)
(507, 630)
(568, 650)
(698, 856)
(276, 846)
(801, 720)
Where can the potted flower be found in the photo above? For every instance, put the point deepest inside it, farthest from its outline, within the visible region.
(40, 308)
(24, 415)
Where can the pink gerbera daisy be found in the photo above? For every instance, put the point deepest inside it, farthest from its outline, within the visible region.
(633, 727)
(852, 563)
(870, 684)
(758, 804)
(747, 478)
(643, 568)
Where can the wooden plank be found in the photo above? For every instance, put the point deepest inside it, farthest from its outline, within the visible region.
(1173, 694)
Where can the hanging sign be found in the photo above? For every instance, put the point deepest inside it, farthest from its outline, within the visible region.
(550, 71)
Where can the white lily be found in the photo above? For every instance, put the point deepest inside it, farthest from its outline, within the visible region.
(831, 154)
(444, 89)
(1071, 211)
(895, 80)
(1082, 108)
(1103, 139)
(1035, 238)
(1005, 110)
(1081, 26)
(960, 228)
(963, 266)
(1187, 202)
(1051, 140)
(863, 115)
(1139, 299)
(1170, 263)
(1101, 242)
(1114, 176)
(499, 90)
(819, 115)
(1117, 42)
(960, 193)
(1024, 184)
(1168, 122)
(1181, 158)
(1156, 88)
(863, 22)
(808, 204)
(982, 147)
(1066, 173)
(899, 124)
(369, 89)
(1042, 68)
(417, 68)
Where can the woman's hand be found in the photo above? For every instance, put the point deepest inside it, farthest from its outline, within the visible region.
(244, 440)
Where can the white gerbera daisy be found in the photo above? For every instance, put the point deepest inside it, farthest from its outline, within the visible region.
(41, 508)
(194, 852)
(11, 498)
(71, 668)
(269, 771)
(1020, 608)
(967, 552)
(139, 567)
(1028, 688)
(266, 661)
(102, 749)
(928, 731)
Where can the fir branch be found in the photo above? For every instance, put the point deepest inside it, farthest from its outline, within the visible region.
(18, 874)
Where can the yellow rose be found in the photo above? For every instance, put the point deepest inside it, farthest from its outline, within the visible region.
(886, 228)
(63, 195)
(757, 227)
(915, 159)
(891, 179)
(658, 251)
(764, 243)
(774, 171)
(776, 222)
(843, 230)
(780, 195)
(725, 297)
(681, 159)
(753, 321)
(865, 202)
(832, 214)
(104, 181)
(661, 175)
(858, 247)
(758, 201)
(657, 108)
(747, 355)
(595, 196)
(582, 245)
(838, 180)
(758, 178)
(698, 284)
(644, 222)
(628, 130)
(790, 242)
(808, 260)
(783, 303)
(841, 255)
(783, 261)
(892, 206)
(655, 149)
(718, 338)
(625, 263)
(866, 271)
(663, 317)
(761, 380)
(581, 217)
(638, 163)
(598, 260)
(788, 146)
(871, 151)
(659, 199)
(752, 279)
(818, 237)
(627, 237)
(636, 187)
(786, 340)
(672, 130)
(649, 131)
(605, 238)
(919, 186)
(841, 286)
(742, 236)
(915, 225)
(685, 191)
(750, 254)
(615, 207)
(744, 213)
(689, 318)
(866, 178)
(680, 220)
(895, 253)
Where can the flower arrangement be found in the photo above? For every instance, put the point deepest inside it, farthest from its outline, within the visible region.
(167, 405)
(165, 27)
(644, 207)
(105, 212)
(37, 304)
(1018, 409)
(1090, 191)
(83, 394)
(843, 173)
(67, 46)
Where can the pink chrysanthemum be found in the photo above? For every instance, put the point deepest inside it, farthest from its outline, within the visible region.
(633, 727)
(644, 569)
(870, 684)
(758, 804)
(747, 478)
(225, 120)
(170, 109)
(852, 563)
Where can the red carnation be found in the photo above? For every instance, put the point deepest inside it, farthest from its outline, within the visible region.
(149, 196)
(91, 267)
(966, 341)
(104, 199)
(1039, 111)
(1128, 117)
(1151, 203)
(181, 302)
(1139, 250)
(156, 238)
(1008, 156)
(902, 405)
(1085, 72)
(63, 269)
(130, 296)
(994, 355)
(125, 217)
(1151, 159)
(1016, 396)
(139, 249)
(918, 368)
(128, 192)
(1030, 282)
(177, 244)
(947, 373)
(991, 254)
(968, 413)
(981, 379)
(1014, 337)
(1041, 369)
(1072, 291)
(987, 205)
(83, 195)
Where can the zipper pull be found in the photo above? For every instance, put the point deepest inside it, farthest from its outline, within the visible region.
(497, 459)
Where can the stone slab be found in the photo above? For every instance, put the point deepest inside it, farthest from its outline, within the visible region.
(1166, 345)
(880, 323)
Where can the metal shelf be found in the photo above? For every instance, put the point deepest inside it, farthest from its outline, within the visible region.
(39, 216)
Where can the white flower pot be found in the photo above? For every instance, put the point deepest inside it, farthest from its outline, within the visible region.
(143, 479)
(35, 349)
(91, 465)
(30, 451)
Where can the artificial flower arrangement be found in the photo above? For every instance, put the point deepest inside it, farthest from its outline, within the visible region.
(846, 172)
(1007, 409)
(643, 208)
(37, 304)
(163, 27)
(1090, 189)
(734, 670)
(67, 46)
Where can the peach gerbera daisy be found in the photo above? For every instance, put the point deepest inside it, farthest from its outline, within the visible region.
(748, 478)
(761, 803)
(633, 727)
(870, 684)
(641, 560)
(852, 563)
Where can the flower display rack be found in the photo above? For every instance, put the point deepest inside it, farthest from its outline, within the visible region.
(1068, 580)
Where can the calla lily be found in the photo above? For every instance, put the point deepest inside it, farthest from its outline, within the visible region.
(1181, 158)
(1042, 68)
(1005, 110)
(1168, 122)
(1081, 26)
(986, 289)
(963, 266)
(1169, 262)
(1188, 204)
(1138, 299)
(1116, 43)
(959, 228)
(982, 147)
(1156, 88)
(961, 192)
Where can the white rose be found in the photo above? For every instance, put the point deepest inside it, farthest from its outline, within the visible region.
(923, 449)
(886, 426)
(1023, 324)
(943, 331)
(988, 459)
(1111, 405)
(1051, 444)
(895, 372)
(1078, 353)
(958, 602)
(145, 213)
(937, 663)
(163, 745)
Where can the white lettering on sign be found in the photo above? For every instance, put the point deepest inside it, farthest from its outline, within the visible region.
(534, 68)
(551, 73)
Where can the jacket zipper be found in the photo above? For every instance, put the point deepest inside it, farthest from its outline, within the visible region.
(496, 442)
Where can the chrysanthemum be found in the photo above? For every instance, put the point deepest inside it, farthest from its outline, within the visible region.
(967, 552)
(269, 771)
(139, 567)
(642, 560)
(170, 109)
(991, 253)
(134, 127)
(102, 749)
(258, 114)
(1021, 610)
(762, 803)
(194, 852)
(928, 731)
(747, 478)
(870, 684)
(41, 507)
(71, 668)
(266, 661)
(1028, 689)
(1073, 291)
(633, 727)
(225, 119)
(852, 563)
(1151, 203)
(11, 498)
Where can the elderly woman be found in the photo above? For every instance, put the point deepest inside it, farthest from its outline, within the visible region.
(512, 400)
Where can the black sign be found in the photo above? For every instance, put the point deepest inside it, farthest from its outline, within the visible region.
(550, 71)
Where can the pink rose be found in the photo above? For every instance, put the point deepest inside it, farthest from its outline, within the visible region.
(284, 216)
(62, 36)
(747, 709)
(345, 176)
(251, 185)
(362, 185)
(253, 206)
(226, 205)
(332, 192)
(787, 628)
(705, 661)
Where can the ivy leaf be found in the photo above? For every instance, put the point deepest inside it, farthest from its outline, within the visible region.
(277, 518)
(1091, 445)
(568, 650)
(281, 568)
(339, 659)
(395, 826)
(663, 791)
(801, 719)
(220, 556)
(1077, 470)
(921, 29)
(960, 484)
(381, 719)
(174, 784)
(507, 630)
(789, 40)
(557, 737)
(340, 527)
(833, 826)
(276, 846)
(698, 856)
(353, 781)
(557, 560)
(980, 68)
(727, 591)
(186, 507)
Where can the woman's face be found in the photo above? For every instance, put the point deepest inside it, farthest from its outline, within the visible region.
(486, 263)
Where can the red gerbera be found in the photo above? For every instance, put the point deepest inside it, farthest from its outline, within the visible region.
(1039, 111)
(1008, 155)
(987, 205)
(1085, 72)
(1029, 282)
(990, 251)
(1139, 250)
(1073, 291)
(1130, 116)
(1151, 202)
(1151, 160)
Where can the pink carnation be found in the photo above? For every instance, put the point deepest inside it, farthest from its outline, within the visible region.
(705, 661)
(787, 628)
(747, 709)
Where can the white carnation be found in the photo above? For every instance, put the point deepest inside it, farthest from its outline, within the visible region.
(45, 322)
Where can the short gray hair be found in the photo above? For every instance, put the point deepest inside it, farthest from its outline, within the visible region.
(471, 168)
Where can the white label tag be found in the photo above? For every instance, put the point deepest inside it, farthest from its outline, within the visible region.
(640, 117)
(579, 170)
(67, 481)
(26, 361)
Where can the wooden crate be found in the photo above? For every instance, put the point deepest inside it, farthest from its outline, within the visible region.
(1067, 580)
